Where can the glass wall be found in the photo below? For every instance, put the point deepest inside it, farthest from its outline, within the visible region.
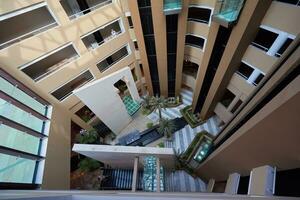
(24, 117)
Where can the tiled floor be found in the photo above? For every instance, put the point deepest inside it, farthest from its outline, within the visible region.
(139, 123)
(183, 137)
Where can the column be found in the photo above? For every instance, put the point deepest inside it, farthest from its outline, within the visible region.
(281, 38)
(253, 76)
(157, 174)
(135, 174)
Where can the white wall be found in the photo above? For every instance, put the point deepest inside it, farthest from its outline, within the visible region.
(102, 98)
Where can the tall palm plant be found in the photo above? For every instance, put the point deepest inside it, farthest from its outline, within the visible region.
(158, 103)
(166, 127)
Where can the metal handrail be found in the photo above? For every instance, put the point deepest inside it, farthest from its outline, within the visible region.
(56, 67)
(27, 35)
(71, 92)
(198, 20)
(78, 14)
(194, 45)
(259, 46)
(108, 66)
(242, 75)
(107, 39)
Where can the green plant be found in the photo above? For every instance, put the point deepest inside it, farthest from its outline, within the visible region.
(145, 111)
(166, 127)
(146, 103)
(158, 103)
(134, 77)
(88, 164)
(161, 145)
(88, 137)
(149, 125)
(190, 117)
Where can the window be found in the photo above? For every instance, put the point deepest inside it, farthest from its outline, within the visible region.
(142, 70)
(104, 34)
(245, 71)
(130, 21)
(227, 98)
(264, 39)
(24, 126)
(18, 25)
(113, 59)
(199, 14)
(136, 45)
(285, 45)
(194, 41)
(77, 8)
(67, 89)
(258, 79)
(50, 63)
(236, 106)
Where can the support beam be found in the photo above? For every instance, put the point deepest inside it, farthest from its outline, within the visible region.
(157, 174)
(181, 31)
(135, 16)
(135, 173)
(159, 26)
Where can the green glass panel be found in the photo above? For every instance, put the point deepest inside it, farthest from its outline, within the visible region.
(230, 9)
(18, 115)
(172, 4)
(15, 169)
(203, 150)
(15, 139)
(149, 176)
(21, 96)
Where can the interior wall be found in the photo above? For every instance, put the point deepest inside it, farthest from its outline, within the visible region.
(102, 98)
(57, 163)
(271, 137)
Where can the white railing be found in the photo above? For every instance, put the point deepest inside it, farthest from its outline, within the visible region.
(27, 35)
(96, 45)
(78, 14)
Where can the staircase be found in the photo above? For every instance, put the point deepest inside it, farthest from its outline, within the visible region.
(180, 181)
(120, 179)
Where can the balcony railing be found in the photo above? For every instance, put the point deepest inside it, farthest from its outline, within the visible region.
(108, 66)
(194, 45)
(228, 11)
(172, 7)
(260, 46)
(96, 45)
(79, 14)
(197, 20)
(27, 35)
(55, 67)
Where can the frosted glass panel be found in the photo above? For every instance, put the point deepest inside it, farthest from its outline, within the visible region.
(21, 96)
(15, 139)
(15, 169)
(20, 116)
